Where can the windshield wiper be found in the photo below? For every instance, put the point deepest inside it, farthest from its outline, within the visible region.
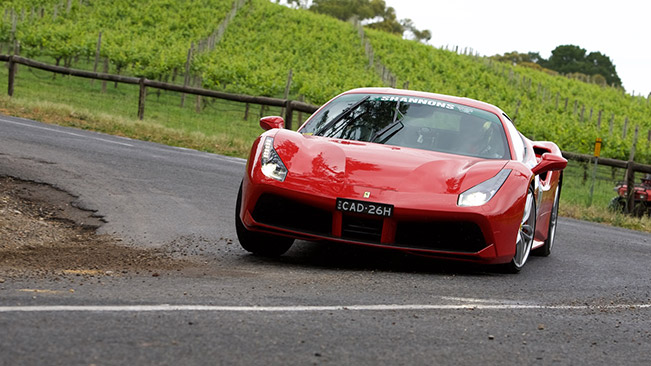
(396, 121)
(387, 129)
(341, 116)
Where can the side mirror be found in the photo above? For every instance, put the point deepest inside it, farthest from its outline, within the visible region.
(267, 123)
(549, 162)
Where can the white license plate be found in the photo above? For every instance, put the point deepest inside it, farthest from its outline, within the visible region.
(364, 207)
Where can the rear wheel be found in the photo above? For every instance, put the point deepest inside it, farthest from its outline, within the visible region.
(617, 204)
(258, 243)
(546, 249)
(640, 209)
(524, 240)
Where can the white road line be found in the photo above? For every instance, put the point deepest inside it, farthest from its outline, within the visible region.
(271, 309)
(65, 132)
(471, 300)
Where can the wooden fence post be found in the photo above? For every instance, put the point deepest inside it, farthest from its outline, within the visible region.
(599, 119)
(12, 76)
(630, 176)
(141, 99)
(16, 53)
(289, 114)
(625, 128)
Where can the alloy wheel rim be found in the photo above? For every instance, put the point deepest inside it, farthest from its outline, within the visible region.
(525, 233)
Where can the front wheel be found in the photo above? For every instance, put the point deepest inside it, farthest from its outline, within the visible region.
(524, 240)
(264, 245)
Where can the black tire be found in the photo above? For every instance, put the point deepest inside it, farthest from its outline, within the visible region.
(260, 244)
(526, 233)
(546, 249)
(617, 204)
(640, 209)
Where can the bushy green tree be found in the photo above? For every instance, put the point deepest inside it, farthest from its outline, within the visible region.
(568, 59)
(418, 35)
(389, 22)
(600, 64)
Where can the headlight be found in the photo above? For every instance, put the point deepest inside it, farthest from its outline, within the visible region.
(483, 192)
(272, 166)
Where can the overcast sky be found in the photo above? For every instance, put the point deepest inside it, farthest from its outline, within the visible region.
(618, 29)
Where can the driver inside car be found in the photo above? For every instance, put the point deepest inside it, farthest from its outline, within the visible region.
(477, 137)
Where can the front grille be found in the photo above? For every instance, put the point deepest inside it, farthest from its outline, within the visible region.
(361, 228)
(462, 237)
(289, 214)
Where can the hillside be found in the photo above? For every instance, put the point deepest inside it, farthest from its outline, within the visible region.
(264, 41)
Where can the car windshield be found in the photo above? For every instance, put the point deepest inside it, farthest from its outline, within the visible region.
(421, 123)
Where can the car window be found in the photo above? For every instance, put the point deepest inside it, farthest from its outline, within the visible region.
(516, 140)
(421, 123)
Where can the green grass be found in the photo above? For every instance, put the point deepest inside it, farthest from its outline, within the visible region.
(577, 202)
(578, 180)
(219, 127)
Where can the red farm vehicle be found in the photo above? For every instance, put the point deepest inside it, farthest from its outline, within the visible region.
(642, 197)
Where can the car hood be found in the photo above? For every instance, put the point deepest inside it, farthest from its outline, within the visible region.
(331, 165)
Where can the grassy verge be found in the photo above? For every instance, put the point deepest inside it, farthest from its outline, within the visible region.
(221, 127)
(600, 215)
(576, 201)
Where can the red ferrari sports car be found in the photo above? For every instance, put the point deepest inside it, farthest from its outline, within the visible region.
(425, 173)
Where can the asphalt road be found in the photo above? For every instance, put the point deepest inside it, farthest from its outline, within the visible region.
(589, 303)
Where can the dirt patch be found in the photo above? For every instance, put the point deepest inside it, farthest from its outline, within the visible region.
(42, 234)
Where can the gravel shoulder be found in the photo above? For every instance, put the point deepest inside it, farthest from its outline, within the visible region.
(43, 234)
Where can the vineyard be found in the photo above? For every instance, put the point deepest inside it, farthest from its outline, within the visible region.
(256, 47)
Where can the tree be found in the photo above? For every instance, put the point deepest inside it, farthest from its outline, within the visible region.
(377, 13)
(298, 4)
(601, 65)
(516, 57)
(568, 59)
(418, 35)
(345, 9)
(389, 22)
